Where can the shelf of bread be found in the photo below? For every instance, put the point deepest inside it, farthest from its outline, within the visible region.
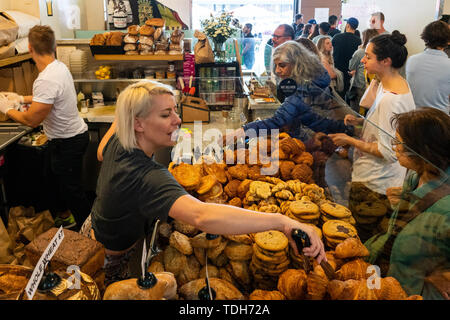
(14, 59)
(124, 57)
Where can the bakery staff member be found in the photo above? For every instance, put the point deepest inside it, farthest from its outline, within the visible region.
(54, 104)
(133, 189)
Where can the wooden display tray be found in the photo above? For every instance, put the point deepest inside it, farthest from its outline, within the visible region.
(124, 57)
(14, 59)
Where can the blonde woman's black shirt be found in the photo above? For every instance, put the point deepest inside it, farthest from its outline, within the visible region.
(132, 191)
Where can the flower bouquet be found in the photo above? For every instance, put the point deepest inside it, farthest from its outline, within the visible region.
(219, 29)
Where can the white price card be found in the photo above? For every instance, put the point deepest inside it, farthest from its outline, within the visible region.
(39, 269)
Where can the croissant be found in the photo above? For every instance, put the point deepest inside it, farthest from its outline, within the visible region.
(390, 289)
(350, 290)
(259, 294)
(292, 284)
(355, 269)
(351, 248)
(316, 286)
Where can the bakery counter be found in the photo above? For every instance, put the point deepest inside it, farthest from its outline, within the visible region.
(100, 114)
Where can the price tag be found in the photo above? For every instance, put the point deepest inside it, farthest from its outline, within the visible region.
(144, 257)
(39, 269)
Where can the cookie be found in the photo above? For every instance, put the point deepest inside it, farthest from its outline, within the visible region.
(371, 209)
(335, 210)
(338, 229)
(271, 240)
(301, 207)
(270, 253)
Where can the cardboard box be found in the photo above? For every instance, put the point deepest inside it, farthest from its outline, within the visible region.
(194, 109)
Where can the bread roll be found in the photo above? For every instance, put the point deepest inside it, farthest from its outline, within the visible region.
(155, 22)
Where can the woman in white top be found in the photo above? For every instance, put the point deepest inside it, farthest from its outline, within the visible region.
(375, 167)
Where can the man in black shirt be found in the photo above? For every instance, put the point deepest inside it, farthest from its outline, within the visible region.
(333, 20)
(298, 25)
(344, 45)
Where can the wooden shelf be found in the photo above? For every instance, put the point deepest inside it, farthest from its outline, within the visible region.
(15, 59)
(124, 57)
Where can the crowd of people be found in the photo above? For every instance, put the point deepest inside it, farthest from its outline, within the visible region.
(400, 162)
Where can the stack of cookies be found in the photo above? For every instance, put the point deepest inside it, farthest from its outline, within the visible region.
(270, 258)
(334, 211)
(304, 211)
(336, 231)
(369, 212)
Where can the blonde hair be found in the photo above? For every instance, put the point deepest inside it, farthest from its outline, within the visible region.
(134, 102)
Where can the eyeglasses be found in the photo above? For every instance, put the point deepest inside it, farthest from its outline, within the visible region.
(395, 142)
(278, 37)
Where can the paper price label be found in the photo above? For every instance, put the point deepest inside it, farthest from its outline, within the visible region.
(39, 269)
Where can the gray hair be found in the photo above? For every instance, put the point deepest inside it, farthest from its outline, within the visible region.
(134, 102)
(306, 65)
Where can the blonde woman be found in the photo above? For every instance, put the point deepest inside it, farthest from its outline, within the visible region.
(133, 190)
(325, 48)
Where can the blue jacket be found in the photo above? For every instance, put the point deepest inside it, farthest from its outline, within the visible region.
(294, 112)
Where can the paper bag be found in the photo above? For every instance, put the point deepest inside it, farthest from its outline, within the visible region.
(369, 95)
(24, 225)
(6, 246)
(8, 51)
(8, 29)
(202, 49)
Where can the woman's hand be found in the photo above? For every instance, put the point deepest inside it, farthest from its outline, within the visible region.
(341, 139)
(316, 250)
(352, 120)
(394, 195)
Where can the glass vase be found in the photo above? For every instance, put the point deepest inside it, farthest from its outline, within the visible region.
(219, 51)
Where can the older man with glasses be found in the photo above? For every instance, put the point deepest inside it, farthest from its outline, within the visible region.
(282, 33)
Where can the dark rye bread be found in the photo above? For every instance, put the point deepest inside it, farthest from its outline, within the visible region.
(75, 249)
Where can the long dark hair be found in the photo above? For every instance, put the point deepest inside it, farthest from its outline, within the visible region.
(391, 46)
(426, 131)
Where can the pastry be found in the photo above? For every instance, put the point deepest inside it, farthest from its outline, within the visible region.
(201, 241)
(217, 170)
(185, 228)
(237, 202)
(114, 38)
(238, 251)
(259, 294)
(224, 290)
(181, 242)
(355, 269)
(241, 238)
(292, 284)
(243, 188)
(186, 175)
(98, 40)
(351, 248)
(146, 30)
(316, 286)
(260, 189)
(130, 39)
(213, 272)
(133, 30)
(155, 22)
(231, 188)
(304, 158)
(302, 172)
(174, 260)
(206, 184)
(239, 171)
(146, 40)
(286, 168)
(130, 47)
(239, 271)
(190, 272)
(214, 252)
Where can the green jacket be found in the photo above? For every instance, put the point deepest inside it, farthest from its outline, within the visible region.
(423, 246)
